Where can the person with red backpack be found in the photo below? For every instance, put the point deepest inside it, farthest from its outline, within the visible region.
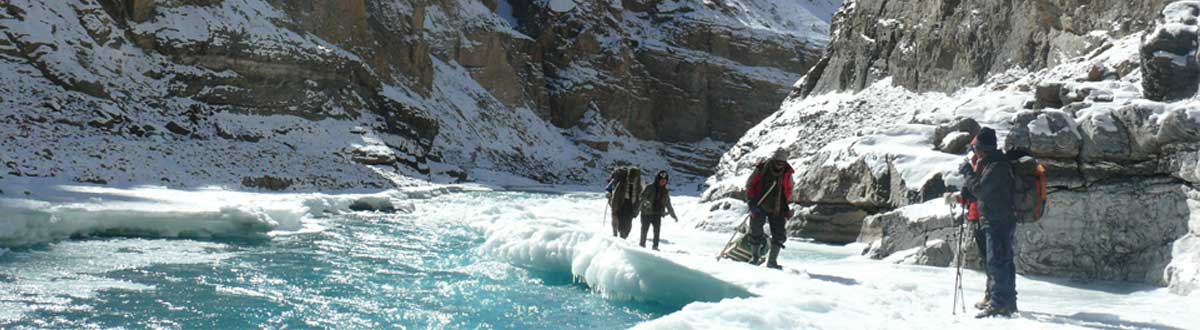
(992, 188)
(768, 191)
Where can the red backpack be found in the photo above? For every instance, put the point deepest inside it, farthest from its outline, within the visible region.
(1029, 188)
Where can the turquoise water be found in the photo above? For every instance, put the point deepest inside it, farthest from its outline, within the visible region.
(363, 271)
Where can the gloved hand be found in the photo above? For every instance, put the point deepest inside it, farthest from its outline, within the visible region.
(965, 169)
(958, 219)
(952, 198)
(756, 211)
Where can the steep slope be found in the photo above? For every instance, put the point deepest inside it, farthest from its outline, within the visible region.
(873, 164)
(286, 95)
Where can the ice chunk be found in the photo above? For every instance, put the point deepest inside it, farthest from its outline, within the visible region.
(609, 266)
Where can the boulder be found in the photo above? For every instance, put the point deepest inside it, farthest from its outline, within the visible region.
(956, 143)
(1046, 133)
(1101, 72)
(909, 231)
(1169, 67)
(827, 223)
(1104, 136)
(1182, 162)
(1048, 95)
(1180, 124)
(856, 184)
(962, 125)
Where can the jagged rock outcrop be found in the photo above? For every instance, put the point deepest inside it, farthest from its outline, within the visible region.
(236, 90)
(1168, 53)
(945, 45)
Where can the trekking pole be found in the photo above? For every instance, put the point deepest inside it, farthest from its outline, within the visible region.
(606, 218)
(735, 231)
(958, 256)
(607, 200)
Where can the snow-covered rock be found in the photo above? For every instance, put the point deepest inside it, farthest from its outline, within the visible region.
(1169, 52)
(945, 45)
(1121, 167)
(189, 93)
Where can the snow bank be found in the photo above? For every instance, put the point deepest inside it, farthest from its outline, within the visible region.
(609, 266)
(35, 212)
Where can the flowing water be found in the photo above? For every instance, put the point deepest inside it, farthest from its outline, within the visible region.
(365, 270)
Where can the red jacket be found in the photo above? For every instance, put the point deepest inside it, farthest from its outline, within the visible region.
(755, 189)
(972, 205)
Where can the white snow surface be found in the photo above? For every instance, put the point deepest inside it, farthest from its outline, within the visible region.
(823, 287)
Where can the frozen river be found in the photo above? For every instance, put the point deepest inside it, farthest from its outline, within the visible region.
(473, 259)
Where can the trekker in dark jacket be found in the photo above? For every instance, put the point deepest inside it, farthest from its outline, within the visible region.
(625, 187)
(655, 203)
(992, 188)
(768, 191)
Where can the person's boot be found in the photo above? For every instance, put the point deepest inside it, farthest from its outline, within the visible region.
(982, 304)
(772, 257)
(993, 311)
(755, 254)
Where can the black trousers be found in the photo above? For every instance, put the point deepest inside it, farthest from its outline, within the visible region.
(980, 235)
(647, 221)
(622, 220)
(778, 232)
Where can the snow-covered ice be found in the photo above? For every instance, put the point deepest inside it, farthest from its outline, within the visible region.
(825, 287)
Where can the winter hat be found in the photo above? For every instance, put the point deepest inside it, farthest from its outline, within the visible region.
(781, 155)
(986, 139)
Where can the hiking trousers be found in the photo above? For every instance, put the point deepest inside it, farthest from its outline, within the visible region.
(778, 232)
(647, 221)
(1002, 272)
(622, 220)
(979, 233)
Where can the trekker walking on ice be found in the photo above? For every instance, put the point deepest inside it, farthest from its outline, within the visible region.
(768, 191)
(970, 168)
(992, 188)
(656, 202)
(624, 189)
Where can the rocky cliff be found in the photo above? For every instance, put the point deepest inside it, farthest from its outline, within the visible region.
(1116, 121)
(944, 45)
(349, 94)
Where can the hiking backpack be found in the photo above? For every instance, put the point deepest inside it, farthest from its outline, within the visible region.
(627, 182)
(1029, 188)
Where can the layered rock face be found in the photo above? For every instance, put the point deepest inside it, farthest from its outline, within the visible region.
(365, 93)
(943, 45)
(1115, 127)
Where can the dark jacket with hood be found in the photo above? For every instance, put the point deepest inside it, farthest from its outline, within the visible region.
(992, 188)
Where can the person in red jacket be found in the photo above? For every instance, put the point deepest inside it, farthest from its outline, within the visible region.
(768, 191)
(969, 168)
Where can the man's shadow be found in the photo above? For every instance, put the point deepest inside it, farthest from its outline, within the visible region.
(1094, 320)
